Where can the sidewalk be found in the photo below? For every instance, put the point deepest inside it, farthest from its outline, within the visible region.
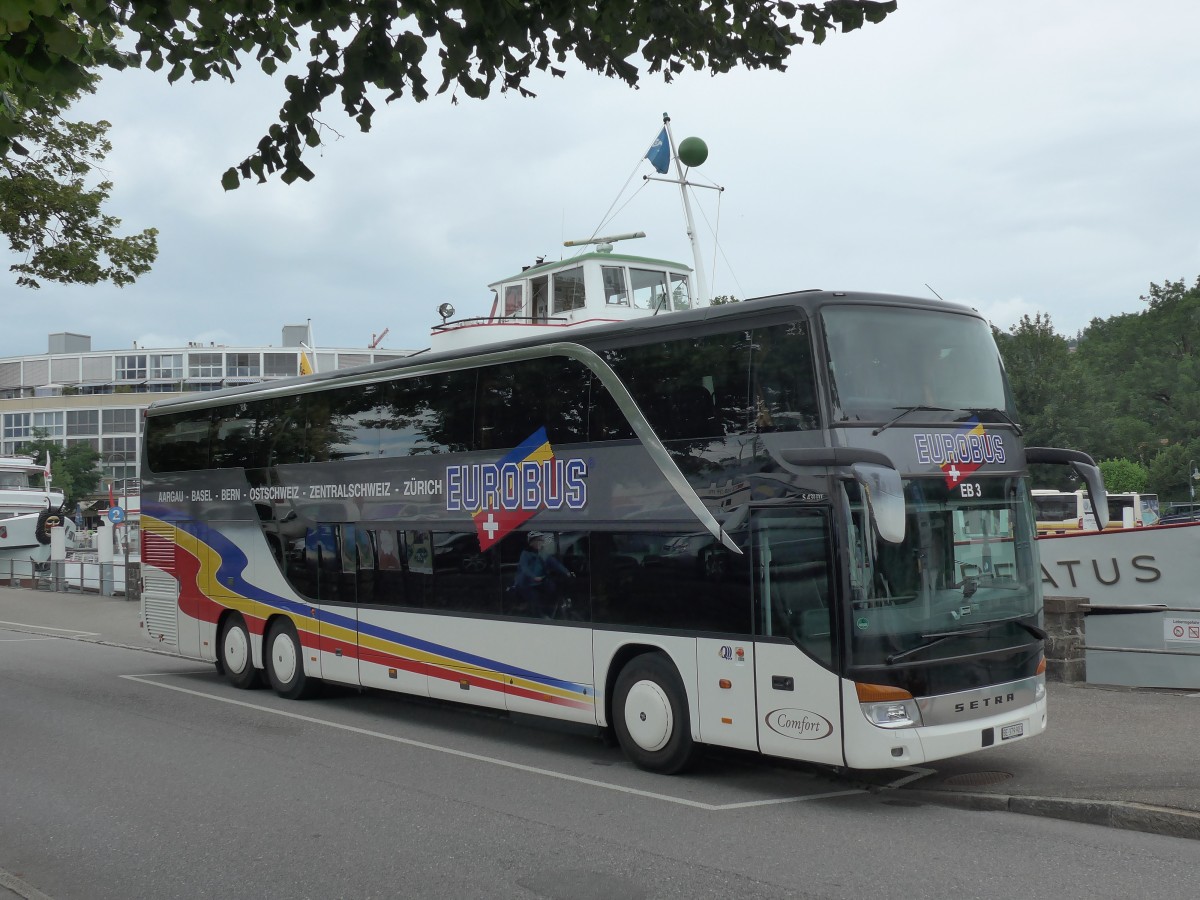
(1120, 757)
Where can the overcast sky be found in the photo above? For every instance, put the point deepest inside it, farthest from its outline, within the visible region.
(1015, 155)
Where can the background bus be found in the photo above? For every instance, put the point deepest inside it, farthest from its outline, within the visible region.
(799, 525)
(1061, 512)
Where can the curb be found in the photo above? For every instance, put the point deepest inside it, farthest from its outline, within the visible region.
(103, 642)
(1109, 813)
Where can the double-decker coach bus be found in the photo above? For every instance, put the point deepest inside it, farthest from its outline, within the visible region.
(799, 525)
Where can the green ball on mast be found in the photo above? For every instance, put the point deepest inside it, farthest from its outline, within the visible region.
(692, 152)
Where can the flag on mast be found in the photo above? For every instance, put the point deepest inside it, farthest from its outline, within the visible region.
(46, 469)
(659, 153)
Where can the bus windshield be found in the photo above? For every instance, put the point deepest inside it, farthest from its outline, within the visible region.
(961, 580)
(883, 360)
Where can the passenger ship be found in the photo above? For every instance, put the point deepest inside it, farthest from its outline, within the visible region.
(28, 512)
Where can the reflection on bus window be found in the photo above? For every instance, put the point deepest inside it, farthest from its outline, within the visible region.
(967, 559)
(660, 580)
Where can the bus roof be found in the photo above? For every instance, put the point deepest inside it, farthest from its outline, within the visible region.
(770, 308)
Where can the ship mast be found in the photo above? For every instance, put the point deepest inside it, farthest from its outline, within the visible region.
(702, 297)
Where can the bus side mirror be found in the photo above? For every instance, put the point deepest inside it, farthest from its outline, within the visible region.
(875, 474)
(885, 497)
(1084, 466)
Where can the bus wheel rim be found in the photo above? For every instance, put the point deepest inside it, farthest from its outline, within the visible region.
(236, 651)
(283, 659)
(649, 718)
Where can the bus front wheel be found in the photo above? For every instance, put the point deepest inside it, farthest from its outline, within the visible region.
(285, 663)
(650, 715)
(236, 661)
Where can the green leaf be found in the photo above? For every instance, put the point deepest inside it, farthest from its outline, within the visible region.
(230, 180)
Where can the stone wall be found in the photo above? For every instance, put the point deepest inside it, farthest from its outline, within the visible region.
(1065, 642)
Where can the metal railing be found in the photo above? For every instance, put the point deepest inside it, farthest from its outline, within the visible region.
(80, 574)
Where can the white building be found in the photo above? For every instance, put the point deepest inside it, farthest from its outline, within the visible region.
(77, 395)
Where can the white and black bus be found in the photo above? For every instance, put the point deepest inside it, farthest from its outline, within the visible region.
(799, 525)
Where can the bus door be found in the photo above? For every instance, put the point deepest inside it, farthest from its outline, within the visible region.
(798, 692)
(333, 550)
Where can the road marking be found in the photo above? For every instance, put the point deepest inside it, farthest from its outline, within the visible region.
(41, 628)
(30, 639)
(917, 772)
(492, 760)
(21, 888)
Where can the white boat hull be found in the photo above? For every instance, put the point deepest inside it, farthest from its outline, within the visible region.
(18, 538)
(1143, 589)
(1125, 567)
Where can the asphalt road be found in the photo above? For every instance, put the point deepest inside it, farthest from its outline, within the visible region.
(127, 774)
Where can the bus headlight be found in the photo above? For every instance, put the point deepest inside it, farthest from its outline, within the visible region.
(901, 714)
(887, 706)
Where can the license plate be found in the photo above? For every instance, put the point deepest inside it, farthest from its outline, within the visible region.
(1008, 732)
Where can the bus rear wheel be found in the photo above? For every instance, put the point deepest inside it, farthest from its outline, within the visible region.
(236, 658)
(650, 715)
(285, 663)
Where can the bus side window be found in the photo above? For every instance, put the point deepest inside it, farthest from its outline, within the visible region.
(322, 562)
(465, 578)
(418, 569)
(519, 398)
(179, 442)
(389, 566)
(365, 583)
(784, 394)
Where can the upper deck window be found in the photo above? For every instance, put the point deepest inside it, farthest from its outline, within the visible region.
(883, 359)
(616, 293)
(650, 289)
(514, 302)
(568, 290)
(681, 294)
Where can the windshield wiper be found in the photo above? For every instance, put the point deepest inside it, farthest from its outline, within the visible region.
(1001, 414)
(904, 411)
(940, 637)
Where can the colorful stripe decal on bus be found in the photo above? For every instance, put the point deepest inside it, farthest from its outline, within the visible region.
(204, 556)
(504, 495)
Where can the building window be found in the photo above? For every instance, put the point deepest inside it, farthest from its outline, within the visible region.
(166, 365)
(131, 368)
(49, 422)
(206, 365)
(119, 420)
(118, 449)
(280, 364)
(83, 421)
(16, 426)
(242, 365)
(118, 455)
